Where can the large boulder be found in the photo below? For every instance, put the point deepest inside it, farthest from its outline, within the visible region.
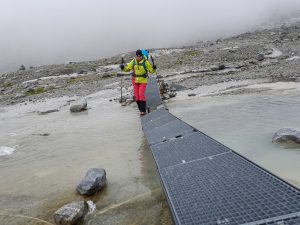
(287, 134)
(93, 181)
(79, 105)
(71, 214)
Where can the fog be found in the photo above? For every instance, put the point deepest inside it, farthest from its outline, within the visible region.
(37, 32)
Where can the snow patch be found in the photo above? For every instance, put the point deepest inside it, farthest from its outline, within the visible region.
(73, 75)
(275, 53)
(293, 58)
(6, 150)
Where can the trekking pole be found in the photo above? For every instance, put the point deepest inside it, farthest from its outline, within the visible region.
(153, 65)
(158, 80)
(152, 60)
(121, 100)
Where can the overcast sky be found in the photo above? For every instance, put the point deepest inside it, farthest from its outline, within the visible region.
(35, 32)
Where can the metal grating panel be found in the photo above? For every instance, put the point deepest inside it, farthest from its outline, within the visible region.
(160, 121)
(154, 115)
(227, 189)
(152, 94)
(167, 131)
(184, 149)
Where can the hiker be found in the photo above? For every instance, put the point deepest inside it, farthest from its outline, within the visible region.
(140, 67)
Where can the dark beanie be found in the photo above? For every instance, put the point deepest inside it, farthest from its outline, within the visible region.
(139, 52)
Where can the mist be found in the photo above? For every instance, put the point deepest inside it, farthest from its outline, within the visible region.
(38, 32)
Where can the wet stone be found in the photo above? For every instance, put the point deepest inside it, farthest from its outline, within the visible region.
(71, 214)
(79, 106)
(286, 135)
(94, 180)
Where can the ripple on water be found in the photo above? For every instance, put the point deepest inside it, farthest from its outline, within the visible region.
(6, 151)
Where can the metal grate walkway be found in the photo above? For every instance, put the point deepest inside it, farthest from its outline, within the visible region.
(207, 183)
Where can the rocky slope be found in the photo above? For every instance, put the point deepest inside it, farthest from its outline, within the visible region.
(268, 53)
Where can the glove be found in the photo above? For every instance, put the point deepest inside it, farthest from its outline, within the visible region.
(154, 67)
(122, 67)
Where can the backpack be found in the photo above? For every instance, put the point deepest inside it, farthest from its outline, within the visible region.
(145, 53)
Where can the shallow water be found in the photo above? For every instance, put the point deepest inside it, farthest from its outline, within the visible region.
(54, 151)
(246, 123)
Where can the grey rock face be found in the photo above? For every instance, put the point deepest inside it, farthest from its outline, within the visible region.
(287, 134)
(71, 214)
(79, 106)
(93, 181)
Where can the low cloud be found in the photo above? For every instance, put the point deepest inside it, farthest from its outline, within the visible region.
(35, 32)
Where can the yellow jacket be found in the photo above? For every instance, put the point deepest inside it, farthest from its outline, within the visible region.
(140, 70)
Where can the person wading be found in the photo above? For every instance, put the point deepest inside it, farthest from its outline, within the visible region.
(140, 67)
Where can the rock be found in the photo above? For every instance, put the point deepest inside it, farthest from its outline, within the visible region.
(284, 56)
(20, 96)
(214, 68)
(22, 67)
(82, 71)
(43, 134)
(165, 96)
(287, 134)
(177, 87)
(173, 89)
(129, 101)
(47, 111)
(123, 99)
(71, 214)
(79, 106)
(94, 180)
(172, 94)
(191, 94)
(268, 52)
(232, 50)
(260, 57)
(221, 67)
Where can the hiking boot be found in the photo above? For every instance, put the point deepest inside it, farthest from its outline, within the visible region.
(143, 106)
